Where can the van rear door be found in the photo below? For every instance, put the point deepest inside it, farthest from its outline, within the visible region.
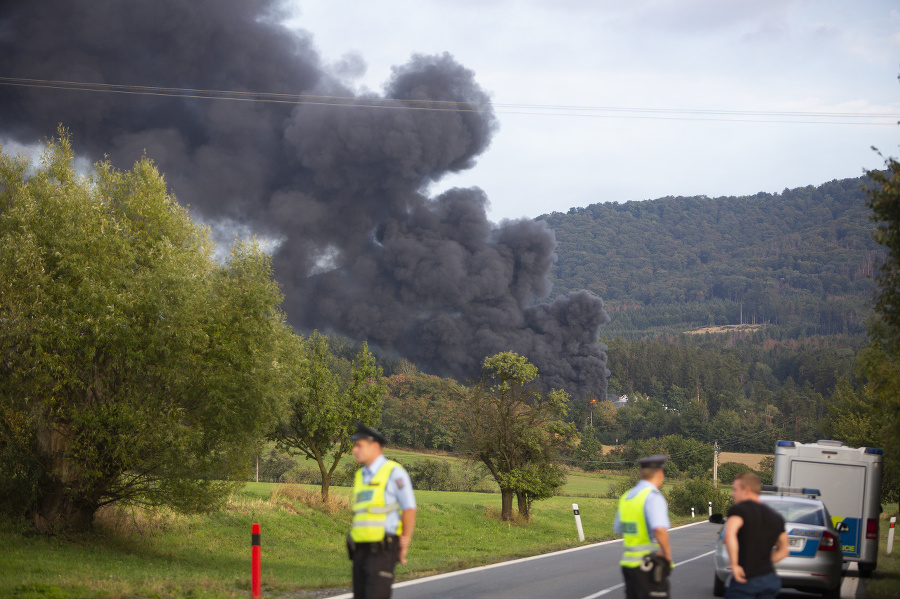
(843, 488)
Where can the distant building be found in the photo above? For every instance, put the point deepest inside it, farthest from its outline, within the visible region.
(621, 402)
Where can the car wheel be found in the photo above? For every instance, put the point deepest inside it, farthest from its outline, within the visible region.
(718, 587)
(834, 593)
(865, 570)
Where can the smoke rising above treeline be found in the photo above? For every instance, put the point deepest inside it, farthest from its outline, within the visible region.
(294, 153)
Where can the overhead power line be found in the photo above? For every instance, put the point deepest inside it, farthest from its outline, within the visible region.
(374, 102)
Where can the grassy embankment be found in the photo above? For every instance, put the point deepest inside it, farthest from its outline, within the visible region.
(136, 555)
(885, 584)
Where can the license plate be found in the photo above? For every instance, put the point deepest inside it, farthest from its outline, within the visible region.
(795, 543)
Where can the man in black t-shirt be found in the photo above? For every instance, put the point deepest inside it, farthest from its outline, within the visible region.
(755, 540)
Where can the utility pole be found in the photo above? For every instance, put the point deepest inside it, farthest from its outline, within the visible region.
(716, 464)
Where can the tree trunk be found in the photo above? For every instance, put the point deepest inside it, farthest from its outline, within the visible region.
(326, 477)
(326, 485)
(524, 507)
(506, 497)
(56, 509)
(57, 513)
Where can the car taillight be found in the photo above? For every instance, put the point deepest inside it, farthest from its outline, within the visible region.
(828, 542)
(871, 528)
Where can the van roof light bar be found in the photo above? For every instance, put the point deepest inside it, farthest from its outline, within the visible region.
(811, 493)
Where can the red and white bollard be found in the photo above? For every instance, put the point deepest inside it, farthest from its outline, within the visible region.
(890, 543)
(256, 560)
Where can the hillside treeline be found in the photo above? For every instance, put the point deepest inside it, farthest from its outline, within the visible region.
(744, 391)
(802, 260)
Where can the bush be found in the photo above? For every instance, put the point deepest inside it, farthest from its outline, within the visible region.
(303, 475)
(729, 470)
(22, 480)
(697, 494)
(439, 475)
(699, 471)
(766, 470)
(620, 488)
(343, 476)
(274, 467)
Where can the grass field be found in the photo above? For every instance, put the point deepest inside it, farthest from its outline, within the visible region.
(143, 556)
(133, 555)
(885, 584)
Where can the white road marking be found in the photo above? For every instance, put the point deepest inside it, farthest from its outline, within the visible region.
(608, 590)
(850, 583)
(408, 583)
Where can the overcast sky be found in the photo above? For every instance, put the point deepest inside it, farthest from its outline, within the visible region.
(683, 59)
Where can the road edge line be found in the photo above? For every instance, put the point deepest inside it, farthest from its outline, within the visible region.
(407, 583)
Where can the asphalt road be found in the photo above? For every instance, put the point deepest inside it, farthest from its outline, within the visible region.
(587, 572)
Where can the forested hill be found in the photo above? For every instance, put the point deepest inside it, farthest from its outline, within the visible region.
(801, 260)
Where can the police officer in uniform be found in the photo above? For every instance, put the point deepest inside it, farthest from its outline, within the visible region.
(384, 516)
(643, 521)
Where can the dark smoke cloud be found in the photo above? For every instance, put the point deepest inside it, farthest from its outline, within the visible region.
(365, 251)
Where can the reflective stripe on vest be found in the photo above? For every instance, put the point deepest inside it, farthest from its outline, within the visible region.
(369, 509)
(634, 525)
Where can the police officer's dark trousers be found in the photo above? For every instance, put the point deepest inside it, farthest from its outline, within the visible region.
(648, 581)
(373, 568)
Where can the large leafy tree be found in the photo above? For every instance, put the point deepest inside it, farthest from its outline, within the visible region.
(515, 430)
(133, 366)
(328, 398)
(880, 361)
(421, 411)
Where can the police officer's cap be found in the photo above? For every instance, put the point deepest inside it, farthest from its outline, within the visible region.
(654, 461)
(367, 433)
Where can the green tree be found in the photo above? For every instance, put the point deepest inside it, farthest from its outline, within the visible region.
(327, 401)
(421, 411)
(134, 367)
(589, 451)
(604, 415)
(853, 418)
(880, 361)
(515, 431)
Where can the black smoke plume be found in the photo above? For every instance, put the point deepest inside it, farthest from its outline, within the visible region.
(364, 251)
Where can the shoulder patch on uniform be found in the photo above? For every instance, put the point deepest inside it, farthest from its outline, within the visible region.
(400, 483)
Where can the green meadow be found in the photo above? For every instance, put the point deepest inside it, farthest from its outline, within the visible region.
(135, 554)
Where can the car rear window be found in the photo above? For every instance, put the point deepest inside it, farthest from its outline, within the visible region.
(798, 513)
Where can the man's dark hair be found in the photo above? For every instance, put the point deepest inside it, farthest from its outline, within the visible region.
(749, 481)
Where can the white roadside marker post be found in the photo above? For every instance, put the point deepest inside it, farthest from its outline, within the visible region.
(692, 513)
(710, 508)
(890, 544)
(578, 523)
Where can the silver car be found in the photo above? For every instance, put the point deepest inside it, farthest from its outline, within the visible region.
(815, 560)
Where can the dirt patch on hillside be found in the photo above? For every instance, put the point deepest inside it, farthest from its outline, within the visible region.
(726, 328)
(748, 459)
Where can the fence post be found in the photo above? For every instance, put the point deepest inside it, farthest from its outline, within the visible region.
(578, 523)
(256, 559)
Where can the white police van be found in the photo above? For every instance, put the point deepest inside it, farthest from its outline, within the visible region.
(849, 480)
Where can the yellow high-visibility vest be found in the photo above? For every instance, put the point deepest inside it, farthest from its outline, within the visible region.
(369, 509)
(635, 532)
